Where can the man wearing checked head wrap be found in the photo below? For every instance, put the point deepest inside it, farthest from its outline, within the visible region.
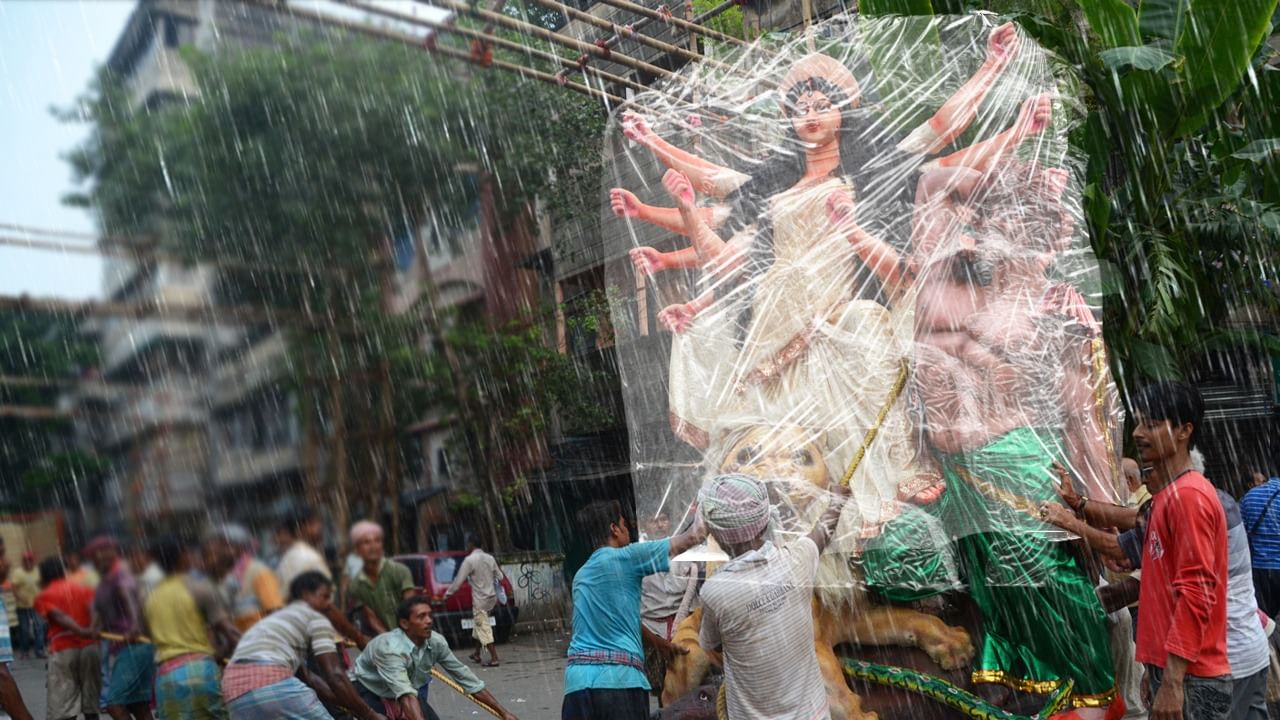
(757, 608)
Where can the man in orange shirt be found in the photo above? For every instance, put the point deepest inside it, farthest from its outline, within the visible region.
(74, 676)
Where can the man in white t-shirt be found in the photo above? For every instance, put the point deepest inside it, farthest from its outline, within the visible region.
(481, 570)
(757, 610)
(305, 532)
(260, 680)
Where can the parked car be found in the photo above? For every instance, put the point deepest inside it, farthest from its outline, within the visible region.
(432, 574)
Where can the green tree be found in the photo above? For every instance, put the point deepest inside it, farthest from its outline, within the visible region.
(295, 167)
(39, 465)
(1182, 192)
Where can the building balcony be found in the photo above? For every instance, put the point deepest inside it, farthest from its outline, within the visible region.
(236, 378)
(246, 466)
(154, 407)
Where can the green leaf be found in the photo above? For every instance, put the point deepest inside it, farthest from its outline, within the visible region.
(1153, 361)
(1115, 22)
(1143, 57)
(895, 7)
(1259, 150)
(906, 53)
(1217, 42)
(1162, 18)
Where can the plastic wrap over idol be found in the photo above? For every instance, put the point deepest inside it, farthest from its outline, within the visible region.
(856, 256)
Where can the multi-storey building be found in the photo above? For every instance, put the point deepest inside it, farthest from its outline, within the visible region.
(186, 406)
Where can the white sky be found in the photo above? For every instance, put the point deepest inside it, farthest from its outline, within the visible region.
(49, 50)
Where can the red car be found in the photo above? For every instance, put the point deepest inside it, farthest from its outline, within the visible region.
(432, 573)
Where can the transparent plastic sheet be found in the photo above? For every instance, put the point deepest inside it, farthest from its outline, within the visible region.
(883, 274)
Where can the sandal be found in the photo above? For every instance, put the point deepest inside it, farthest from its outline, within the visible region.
(491, 663)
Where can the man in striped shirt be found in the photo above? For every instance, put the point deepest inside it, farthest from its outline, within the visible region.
(757, 610)
(260, 681)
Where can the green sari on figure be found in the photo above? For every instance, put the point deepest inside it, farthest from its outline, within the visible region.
(1041, 619)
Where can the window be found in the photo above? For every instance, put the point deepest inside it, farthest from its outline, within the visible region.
(442, 464)
(170, 32)
(445, 568)
(403, 248)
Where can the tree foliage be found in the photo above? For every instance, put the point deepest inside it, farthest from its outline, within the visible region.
(299, 164)
(1182, 191)
(39, 467)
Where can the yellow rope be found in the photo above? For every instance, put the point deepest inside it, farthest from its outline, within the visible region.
(115, 637)
(894, 392)
(455, 686)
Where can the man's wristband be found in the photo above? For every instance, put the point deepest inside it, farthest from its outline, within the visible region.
(1079, 506)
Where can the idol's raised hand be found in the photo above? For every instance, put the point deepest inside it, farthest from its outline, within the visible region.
(636, 128)
(624, 203)
(648, 261)
(1034, 116)
(679, 187)
(677, 318)
(1002, 43)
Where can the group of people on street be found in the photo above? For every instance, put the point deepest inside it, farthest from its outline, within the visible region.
(1178, 560)
(207, 631)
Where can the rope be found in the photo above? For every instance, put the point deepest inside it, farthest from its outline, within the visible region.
(458, 688)
(894, 393)
(116, 637)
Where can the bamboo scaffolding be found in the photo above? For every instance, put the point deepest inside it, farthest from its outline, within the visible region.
(473, 34)
(528, 72)
(692, 26)
(621, 32)
(408, 39)
(530, 29)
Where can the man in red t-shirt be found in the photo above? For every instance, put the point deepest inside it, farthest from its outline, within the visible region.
(74, 676)
(1182, 619)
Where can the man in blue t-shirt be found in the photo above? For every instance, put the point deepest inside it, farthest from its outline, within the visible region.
(1260, 510)
(605, 679)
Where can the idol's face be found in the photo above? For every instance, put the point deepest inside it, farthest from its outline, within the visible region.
(815, 118)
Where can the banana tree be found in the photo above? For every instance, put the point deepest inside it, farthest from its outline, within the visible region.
(1182, 191)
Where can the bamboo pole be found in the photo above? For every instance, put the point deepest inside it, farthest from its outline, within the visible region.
(32, 412)
(29, 230)
(691, 26)
(471, 33)
(526, 28)
(193, 313)
(529, 73)
(141, 251)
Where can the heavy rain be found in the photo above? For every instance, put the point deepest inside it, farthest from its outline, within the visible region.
(614, 359)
